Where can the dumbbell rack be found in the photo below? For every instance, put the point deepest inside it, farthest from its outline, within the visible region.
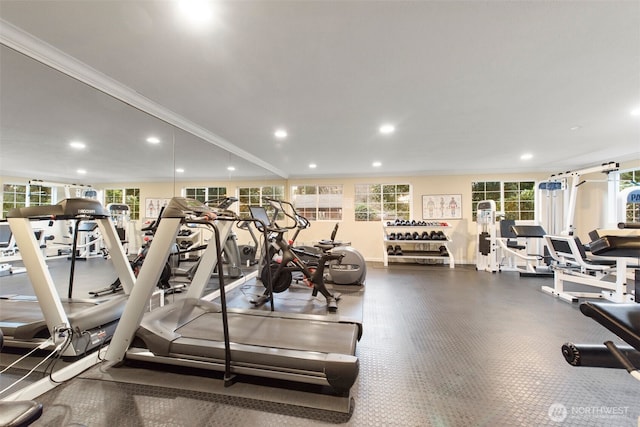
(413, 249)
(186, 241)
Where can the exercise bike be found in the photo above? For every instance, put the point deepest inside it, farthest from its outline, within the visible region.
(282, 259)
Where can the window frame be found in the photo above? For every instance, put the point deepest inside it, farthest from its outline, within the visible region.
(318, 212)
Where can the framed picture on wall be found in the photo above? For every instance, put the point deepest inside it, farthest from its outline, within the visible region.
(442, 206)
(152, 207)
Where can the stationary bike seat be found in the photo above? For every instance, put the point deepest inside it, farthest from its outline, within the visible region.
(325, 245)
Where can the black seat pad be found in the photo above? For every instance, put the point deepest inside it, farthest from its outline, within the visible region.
(622, 246)
(621, 319)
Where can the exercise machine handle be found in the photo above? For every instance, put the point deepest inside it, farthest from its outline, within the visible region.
(628, 225)
(621, 358)
(278, 205)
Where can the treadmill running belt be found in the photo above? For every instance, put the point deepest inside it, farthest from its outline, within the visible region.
(291, 334)
(23, 318)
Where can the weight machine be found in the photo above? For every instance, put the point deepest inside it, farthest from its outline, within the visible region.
(573, 265)
(121, 217)
(500, 241)
(608, 272)
(552, 188)
(487, 255)
(516, 243)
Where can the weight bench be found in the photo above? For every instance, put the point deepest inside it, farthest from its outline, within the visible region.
(572, 265)
(621, 319)
(509, 235)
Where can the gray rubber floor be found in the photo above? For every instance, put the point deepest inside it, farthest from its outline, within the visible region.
(441, 347)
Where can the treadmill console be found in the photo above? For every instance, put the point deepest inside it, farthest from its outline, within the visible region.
(179, 207)
(66, 209)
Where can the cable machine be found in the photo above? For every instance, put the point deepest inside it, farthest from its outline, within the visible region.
(487, 255)
(552, 189)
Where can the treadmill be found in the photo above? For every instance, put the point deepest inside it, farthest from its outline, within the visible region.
(28, 322)
(193, 332)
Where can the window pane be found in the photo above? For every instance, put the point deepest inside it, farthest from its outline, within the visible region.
(511, 186)
(493, 195)
(527, 185)
(493, 186)
(477, 187)
(527, 215)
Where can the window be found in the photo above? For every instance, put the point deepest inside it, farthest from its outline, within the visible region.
(375, 202)
(18, 196)
(489, 190)
(515, 198)
(628, 179)
(204, 194)
(519, 200)
(128, 196)
(318, 202)
(252, 196)
(13, 196)
(39, 195)
(113, 196)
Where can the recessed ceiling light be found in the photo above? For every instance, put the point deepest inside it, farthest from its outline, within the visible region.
(635, 112)
(280, 133)
(376, 164)
(82, 171)
(77, 145)
(196, 10)
(180, 170)
(231, 168)
(575, 128)
(153, 140)
(387, 129)
(313, 165)
(526, 156)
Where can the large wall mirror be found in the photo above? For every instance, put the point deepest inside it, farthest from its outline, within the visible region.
(42, 111)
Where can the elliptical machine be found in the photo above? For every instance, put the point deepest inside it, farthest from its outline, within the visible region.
(232, 260)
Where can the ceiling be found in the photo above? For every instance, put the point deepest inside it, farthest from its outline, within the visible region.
(470, 86)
